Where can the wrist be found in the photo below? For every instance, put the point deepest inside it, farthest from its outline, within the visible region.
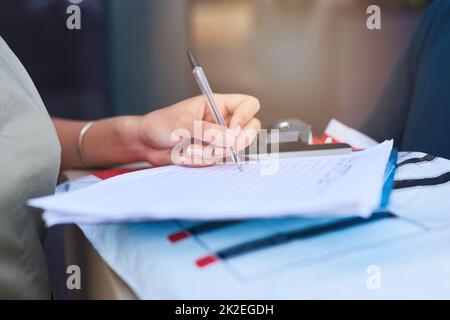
(127, 129)
(113, 141)
(81, 155)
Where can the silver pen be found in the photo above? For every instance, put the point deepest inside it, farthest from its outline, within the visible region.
(202, 82)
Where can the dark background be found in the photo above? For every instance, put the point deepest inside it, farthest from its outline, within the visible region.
(112, 65)
(302, 58)
(68, 68)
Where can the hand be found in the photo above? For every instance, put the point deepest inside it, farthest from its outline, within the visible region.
(155, 131)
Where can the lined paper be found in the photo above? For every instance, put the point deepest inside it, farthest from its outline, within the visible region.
(349, 184)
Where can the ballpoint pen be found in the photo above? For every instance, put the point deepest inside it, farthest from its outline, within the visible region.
(202, 82)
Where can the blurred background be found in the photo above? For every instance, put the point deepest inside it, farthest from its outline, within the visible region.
(309, 59)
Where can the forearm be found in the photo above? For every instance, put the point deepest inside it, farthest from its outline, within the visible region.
(106, 143)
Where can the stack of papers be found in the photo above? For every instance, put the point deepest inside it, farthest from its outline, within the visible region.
(349, 184)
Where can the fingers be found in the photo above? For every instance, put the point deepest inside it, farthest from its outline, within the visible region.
(207, 131)
(191, 155)
(196, 155)
(241, 108)
(241, 111)
(218, 135)
(237, 109)
(201, 155)
(248, 134)
(191, 120)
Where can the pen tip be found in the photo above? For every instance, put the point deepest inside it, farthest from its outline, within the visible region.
(192, 59)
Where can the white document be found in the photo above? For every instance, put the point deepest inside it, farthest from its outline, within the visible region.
(348, 184)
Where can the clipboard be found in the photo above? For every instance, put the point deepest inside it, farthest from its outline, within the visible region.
(293, 140)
